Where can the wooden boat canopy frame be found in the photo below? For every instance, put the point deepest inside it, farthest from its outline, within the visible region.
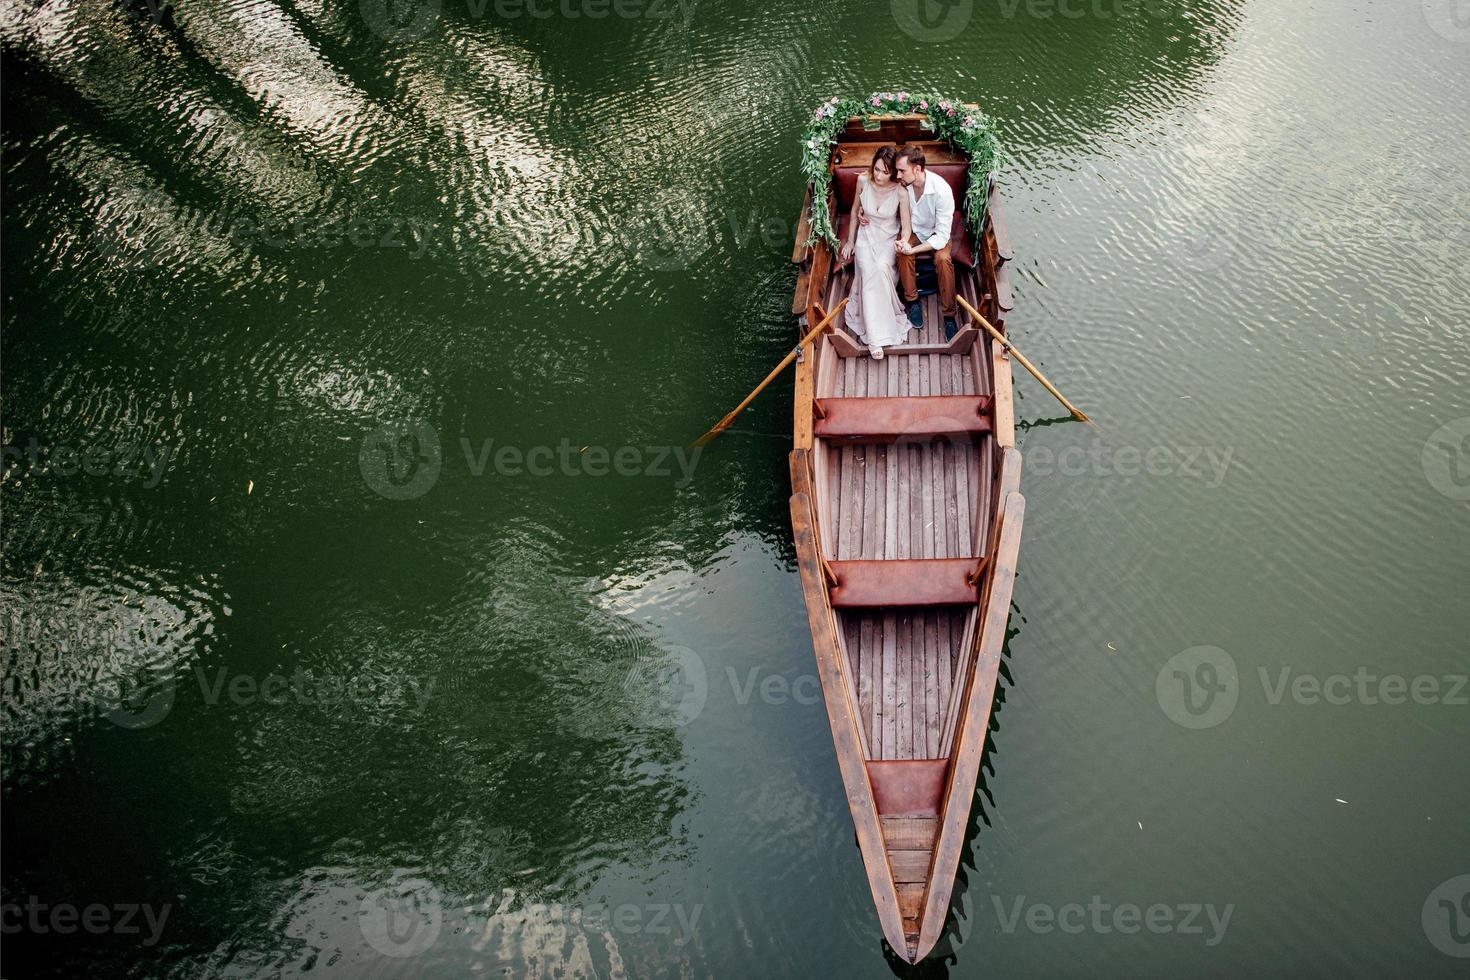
(906, 515)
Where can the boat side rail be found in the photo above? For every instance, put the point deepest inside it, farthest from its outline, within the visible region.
(847, 733)
(973, 725)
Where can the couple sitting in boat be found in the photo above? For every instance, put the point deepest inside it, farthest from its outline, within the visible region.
(899, 213)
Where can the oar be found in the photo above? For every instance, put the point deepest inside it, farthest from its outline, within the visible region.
(724, 423)
(1077, 413)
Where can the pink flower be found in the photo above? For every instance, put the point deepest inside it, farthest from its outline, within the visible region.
(903, 96)
(949, 112)
(873, 102)
(923, 105)
(969, 121)
(944, 103)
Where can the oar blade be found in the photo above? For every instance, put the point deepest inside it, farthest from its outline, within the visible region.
(724, 423)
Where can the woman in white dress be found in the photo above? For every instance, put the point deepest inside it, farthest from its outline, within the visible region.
(873, 309)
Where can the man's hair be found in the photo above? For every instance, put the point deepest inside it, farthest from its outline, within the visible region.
(913, 155)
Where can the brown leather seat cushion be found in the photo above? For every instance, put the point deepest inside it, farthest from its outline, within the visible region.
(913, 417)
(960, 249)
(904, 582)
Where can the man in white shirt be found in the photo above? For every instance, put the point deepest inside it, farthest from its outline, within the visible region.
(931, 213)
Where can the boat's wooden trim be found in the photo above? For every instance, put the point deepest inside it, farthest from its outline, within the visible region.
(910, 127)
(974, 726)
(1004, 300)
(846, 733)
(995, 216)
(936, 153)
(806, 379)
(806, 368)
(1007, 481)
(1003, 406)
(1009, 475)
(800, 249)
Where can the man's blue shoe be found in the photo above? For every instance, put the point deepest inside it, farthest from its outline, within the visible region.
(916, 314)
(950, 328)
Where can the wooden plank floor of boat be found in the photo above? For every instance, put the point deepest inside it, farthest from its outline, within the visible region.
(905, 500)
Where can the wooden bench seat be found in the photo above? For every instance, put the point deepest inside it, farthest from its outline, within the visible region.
(908, 787)
(867, 584)
(888, 419)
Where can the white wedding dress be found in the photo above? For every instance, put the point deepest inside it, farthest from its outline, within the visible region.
(873, 309)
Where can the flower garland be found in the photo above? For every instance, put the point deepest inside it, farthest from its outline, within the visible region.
(966, 129)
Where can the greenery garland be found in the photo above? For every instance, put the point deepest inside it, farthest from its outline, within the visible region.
(966, 129)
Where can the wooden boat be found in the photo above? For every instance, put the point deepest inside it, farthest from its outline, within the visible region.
(907, 517)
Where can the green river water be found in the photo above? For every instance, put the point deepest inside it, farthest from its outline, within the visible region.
(365, 616)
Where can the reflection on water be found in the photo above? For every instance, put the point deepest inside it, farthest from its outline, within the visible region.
(242, 236)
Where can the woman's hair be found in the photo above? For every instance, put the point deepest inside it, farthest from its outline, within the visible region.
(888, 155)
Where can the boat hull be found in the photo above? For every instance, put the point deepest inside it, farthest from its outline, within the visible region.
(906, 516)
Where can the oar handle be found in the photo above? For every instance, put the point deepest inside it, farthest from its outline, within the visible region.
(1077, 413)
